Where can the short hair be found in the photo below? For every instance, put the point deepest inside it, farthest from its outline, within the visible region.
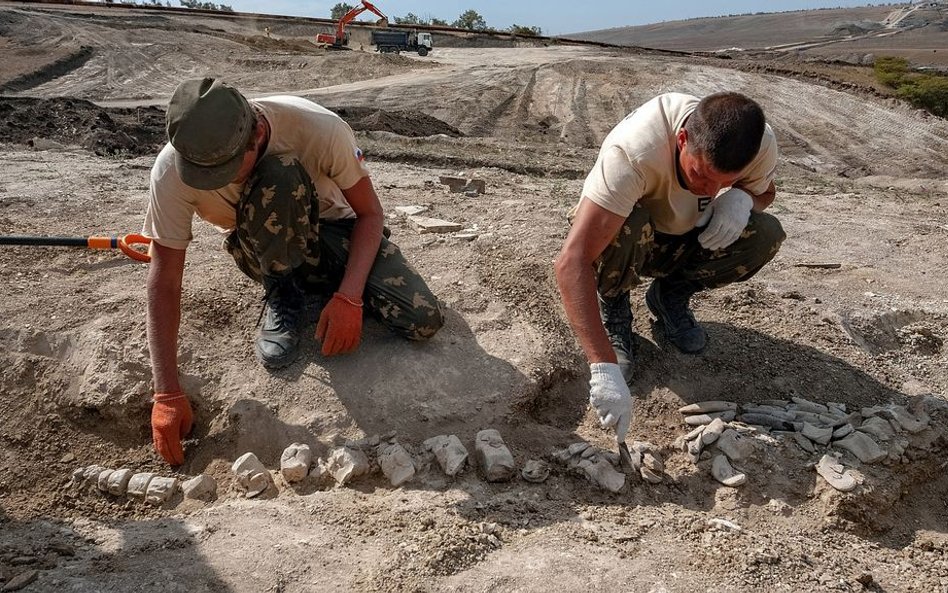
(726, 128)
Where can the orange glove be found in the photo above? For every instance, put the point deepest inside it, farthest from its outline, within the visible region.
(340, 325)
(171, 419)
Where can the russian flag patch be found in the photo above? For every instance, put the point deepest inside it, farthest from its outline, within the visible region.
(359, 156)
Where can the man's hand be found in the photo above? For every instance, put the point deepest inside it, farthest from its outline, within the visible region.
(610, 396)
(730, 213)
(340, 325)
(171, 420)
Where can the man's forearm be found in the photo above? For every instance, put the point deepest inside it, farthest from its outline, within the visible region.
(164, 318)
(577, 284)
(363, 248)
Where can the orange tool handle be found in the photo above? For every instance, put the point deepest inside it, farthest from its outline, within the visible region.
(124, 243)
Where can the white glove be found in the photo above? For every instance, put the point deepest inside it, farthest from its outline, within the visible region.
(730, 213)
(610, 396)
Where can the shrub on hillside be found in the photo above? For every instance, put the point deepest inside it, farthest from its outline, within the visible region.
(890, 70)
(923, 90)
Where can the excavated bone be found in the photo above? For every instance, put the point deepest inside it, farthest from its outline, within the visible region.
(252, 476)
(202, 487)
(652, 468)
(831, 470)
(878, 427)
(776, 403)
(396, 464)
(295, 461)
(723, 472)
(907, 420)
(805, 443)
(808, 406)
(449, 451)
(862, 446)
(346, 464)
(160, 490)
(601, 473)
(819, 419)
(767, 420)
(817, 434)
(493, 456)
(771, 411)
(118, 482)
(736, 446)
(103, 480)
(577, 448)
(712, 432)
(695, 446)
(695, 433)
(535, 471)
(699, 419)
(138, 484)
(87, 478)
(845, 429)
(708, 407)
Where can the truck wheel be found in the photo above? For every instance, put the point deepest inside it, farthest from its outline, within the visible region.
(422, 51)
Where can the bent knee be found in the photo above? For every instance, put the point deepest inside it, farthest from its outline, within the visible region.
(424, 327)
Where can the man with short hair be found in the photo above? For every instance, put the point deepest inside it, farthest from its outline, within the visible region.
(653, 206)
(283, 178)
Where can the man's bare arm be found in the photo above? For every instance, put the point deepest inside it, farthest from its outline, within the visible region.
(593, 229)
(366, 236)
(165, 274)
(764, 200)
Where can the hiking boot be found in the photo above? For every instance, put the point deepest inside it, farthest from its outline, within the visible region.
(616, 315)
(668, 299)
(279, 338)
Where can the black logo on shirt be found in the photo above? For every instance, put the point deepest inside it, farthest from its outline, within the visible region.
(703, 204)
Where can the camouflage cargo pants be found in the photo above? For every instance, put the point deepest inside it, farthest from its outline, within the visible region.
(279, 232)
(639, 250)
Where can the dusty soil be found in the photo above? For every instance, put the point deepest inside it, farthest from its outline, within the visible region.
(862, 185)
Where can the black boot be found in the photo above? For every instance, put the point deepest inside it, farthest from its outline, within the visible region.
(616, 315)
(667, 299)
(279, 337)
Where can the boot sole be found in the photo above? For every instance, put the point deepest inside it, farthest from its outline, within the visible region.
(273, 363)
(654, 311)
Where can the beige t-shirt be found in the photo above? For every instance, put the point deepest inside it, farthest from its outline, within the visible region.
(637, 163)
(321, 141)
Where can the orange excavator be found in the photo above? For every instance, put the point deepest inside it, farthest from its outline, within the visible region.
(341, 37)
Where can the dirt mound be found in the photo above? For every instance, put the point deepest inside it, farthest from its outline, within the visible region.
(404, 123)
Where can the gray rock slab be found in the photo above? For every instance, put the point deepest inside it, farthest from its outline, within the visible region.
(817, 434)
(426, 224)
(809, 406)
(346, 464)
(712, 432)
(118, 482)
(396, 464)
(707, 407)
(160, 490)
(777, 403)
(535, 471)
(878, 427)
(21, 580)
(805, 443)
(862, 446)
(202, 487)
(410, 210)
(907, 420)
(735, 445)
(138, 485)
(842, 431)
(831, 470)
(449, 451)
(768, 420)
(652, 468)
(722, 471)
(295, 461)
(103, 480)
(493, 456)
(700, 419)
(601, 473)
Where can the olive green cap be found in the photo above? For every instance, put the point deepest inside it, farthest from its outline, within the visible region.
(209, 126)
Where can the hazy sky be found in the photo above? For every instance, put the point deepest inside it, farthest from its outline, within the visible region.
(554, 17)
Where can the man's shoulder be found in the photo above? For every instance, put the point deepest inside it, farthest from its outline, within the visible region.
(293, 105)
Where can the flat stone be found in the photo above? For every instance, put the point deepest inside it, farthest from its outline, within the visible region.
(805, 443)
(103, 480)
(601, 473)
(578, 448)
(831, 470)
(707, 407)
(817, 434)
(295, 461)
(699, 419)
(426, 224)
(776, 403)
(67, 458)
(346, 464)
(455, 184)
(722, 471)
(695, 433)
(396, 464)
(815, 419)
(652, 468)
(779, 413)
(736, 446)
(535, 471)
(21, 580)
(252, 476)
(767, 420)
(118, 482)
(844, 430)
(862, 446)
(410, 210)
(878, 427)
(713, 431)
(138, 485)
(202, 487)
(493, 456)
(695, 446)
(808, 406)
(89, 478)
(160, 490)
(247, 462)
(449, 451)
(907, 420)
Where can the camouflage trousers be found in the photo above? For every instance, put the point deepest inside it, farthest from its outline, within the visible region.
(279, 232)
(639, 250)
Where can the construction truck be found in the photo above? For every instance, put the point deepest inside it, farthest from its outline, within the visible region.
(391, 40)
(340, 39)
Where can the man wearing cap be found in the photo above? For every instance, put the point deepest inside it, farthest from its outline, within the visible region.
(283, 178)
(677, 194)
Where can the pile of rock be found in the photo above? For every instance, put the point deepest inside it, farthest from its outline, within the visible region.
(144, 486)
(599, 466)
(870, 435)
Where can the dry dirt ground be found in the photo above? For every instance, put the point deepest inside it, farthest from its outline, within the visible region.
(862, 185)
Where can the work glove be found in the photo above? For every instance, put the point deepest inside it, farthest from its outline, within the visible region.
(171, 420)
(729, 215)
(609, 396)
(340, 325)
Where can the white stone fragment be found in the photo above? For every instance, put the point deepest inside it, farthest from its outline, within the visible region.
(831, 470)
(708, 407)
(396, 463)
(160, 490)
(252, 476)
(723, 472)
(878, 427)
(203, 487)
(410, 210)
(138, 485)
(817, 434)
(601, 473)
(844, 430)
(736, 446)
(118, 482)
(295, 462)
(103, 480)
(699, 419)
(535, 471)
(346, 464)
(449, 451)
(713, 431)
(493, 456)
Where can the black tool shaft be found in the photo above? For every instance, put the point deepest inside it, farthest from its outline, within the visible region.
(54, 241)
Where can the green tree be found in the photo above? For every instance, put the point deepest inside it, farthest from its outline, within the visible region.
(438, 22)
(339, 10)
(928, 92)
(410, 19)
(525, 31)
(470, 20)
